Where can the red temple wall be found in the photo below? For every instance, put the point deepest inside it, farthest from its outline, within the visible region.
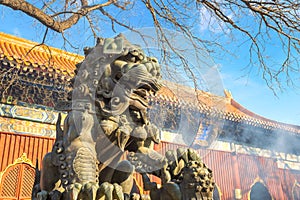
(12, 146)
(239, 171)
(231, 171)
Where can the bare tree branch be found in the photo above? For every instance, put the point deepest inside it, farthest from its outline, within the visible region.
(271, 18)
(50, 21)
(47, 5)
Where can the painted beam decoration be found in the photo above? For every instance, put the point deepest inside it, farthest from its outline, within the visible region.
(28, 120)
(27, 113)
(26, 127)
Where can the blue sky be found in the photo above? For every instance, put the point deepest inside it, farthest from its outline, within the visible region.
(246, 87)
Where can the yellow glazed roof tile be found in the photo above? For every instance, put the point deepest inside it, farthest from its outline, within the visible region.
(18, 49)
(26, 53)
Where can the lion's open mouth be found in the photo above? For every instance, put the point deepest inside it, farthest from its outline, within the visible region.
(146, 89)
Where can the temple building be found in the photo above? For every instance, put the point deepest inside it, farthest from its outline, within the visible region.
(252, 158)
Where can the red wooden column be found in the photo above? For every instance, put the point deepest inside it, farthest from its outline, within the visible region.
(236, 176)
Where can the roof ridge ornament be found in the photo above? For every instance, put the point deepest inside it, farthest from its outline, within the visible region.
(228, 94)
